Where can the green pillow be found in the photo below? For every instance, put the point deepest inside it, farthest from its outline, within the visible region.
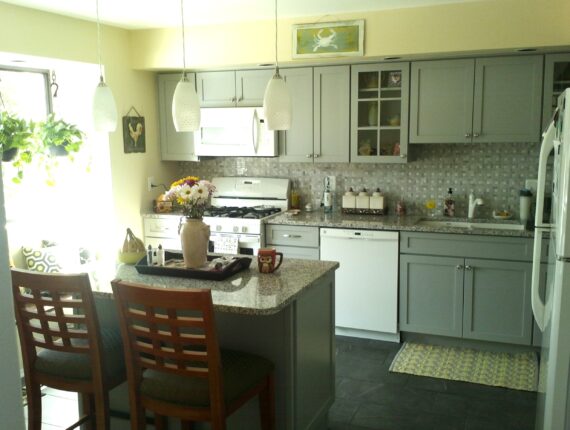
(51, 259)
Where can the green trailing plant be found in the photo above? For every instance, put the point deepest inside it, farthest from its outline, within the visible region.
(16, 142)
(58, 136)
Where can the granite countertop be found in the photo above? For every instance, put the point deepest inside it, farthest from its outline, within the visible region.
(389, 222)
(247, 292)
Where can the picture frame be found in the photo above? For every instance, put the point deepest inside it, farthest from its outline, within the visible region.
(328, 39)
(134, 131)
(394, 79)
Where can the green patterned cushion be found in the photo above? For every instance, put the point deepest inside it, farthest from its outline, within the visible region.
(51, 259)
(241, 371)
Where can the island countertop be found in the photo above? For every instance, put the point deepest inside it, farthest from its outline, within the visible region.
(247, 292)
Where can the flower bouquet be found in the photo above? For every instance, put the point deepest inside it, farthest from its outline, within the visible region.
(191, 194)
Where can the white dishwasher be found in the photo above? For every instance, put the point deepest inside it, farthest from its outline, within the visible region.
(366, 283)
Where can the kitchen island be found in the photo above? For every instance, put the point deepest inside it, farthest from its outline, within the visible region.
(287, 317)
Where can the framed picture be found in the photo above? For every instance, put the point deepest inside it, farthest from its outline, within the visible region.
(394, 79)
(134, 134)
(328, 39)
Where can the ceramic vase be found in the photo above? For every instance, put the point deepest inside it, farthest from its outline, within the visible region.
(194, 237)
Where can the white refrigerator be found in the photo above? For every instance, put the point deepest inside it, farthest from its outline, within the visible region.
(552, 312)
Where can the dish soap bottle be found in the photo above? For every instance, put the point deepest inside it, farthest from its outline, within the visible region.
(449, 204)
(327, 197)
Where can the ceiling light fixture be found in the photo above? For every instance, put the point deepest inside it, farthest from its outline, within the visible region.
(277, 100)
(104, 108)
(185, 103)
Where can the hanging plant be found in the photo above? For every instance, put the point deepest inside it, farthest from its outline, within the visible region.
(59, 138)
(15, 135)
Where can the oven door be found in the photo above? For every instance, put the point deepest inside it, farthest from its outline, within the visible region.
(248, 244)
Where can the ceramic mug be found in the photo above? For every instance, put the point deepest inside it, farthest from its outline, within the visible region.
(266, 260)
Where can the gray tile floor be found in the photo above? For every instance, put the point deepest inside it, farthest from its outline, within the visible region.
(368, 396)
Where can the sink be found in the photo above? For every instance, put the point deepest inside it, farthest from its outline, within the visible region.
(470, 225)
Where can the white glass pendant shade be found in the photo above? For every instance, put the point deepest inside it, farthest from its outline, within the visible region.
(185, 107)
(104, 109)
(277, 104)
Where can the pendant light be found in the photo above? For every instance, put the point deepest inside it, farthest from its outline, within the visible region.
(277, 100)
(185, 103)
(104, 108)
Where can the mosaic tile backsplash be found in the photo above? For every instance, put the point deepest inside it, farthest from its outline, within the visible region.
(494, 172)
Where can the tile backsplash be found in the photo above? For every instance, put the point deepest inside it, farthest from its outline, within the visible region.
(494, 172)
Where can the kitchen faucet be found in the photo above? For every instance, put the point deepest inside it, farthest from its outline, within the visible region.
(473, 203)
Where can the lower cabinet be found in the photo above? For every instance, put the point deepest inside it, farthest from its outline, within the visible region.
(294, 241)
(473, 298)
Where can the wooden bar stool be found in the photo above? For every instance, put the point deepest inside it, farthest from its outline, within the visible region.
(62, 345)
(174, 363)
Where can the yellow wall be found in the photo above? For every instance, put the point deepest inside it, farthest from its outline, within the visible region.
(30, 32)
(492, 25)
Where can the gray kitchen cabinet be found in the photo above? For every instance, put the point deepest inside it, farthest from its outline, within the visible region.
(320, 115)
(495, 99)
(556, 80)
(232, 88)
(497, 301)
(296, 144)
(475, 287)
(431, 295)
(379, 113)
(293, 241)
(176, 146)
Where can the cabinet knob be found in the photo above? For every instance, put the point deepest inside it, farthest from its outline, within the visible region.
(233, 100)
(467, 134)
(403, 155)
(476, 135)
(459, 267)
(240, 99)
(309, 155)
(468, 268)
(317, 155)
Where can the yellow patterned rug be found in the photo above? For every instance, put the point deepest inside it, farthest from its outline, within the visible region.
(518, 371)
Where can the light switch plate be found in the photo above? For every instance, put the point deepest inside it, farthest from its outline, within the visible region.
(149, 183)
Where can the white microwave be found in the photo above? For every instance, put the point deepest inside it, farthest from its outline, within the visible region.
(236, 131)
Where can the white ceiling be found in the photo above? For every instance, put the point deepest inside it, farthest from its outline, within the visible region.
(138, 14)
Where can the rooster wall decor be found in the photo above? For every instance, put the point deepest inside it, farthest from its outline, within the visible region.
(134, 133)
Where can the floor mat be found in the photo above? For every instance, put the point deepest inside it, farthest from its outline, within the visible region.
(518, 371)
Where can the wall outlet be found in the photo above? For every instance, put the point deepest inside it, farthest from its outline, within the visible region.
(531, 184)
(150, 183)
(332, 183)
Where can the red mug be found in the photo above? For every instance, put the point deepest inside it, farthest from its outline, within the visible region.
(266, 260)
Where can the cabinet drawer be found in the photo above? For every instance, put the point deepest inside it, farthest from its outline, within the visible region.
(490, 247)
(298, 252)
(161, 227)
(292, 235)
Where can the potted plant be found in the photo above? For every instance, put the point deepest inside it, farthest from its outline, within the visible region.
(59, 137)
(15, 135)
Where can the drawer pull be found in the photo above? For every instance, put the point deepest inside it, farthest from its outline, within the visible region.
(459, 267)
(293, 236)
(468, 268)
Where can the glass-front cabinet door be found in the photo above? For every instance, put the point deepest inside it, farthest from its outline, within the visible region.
(556, 80)
(379, 117)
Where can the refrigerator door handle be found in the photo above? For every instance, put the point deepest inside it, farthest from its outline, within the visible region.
(538, 306)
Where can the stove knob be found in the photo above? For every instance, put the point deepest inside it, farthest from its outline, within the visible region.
(236, 229)
(244, 229)
(218, 228)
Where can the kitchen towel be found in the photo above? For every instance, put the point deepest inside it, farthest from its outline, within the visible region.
(518, 371)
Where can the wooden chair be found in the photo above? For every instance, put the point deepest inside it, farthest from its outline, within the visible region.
(62, 345)
(175, 366)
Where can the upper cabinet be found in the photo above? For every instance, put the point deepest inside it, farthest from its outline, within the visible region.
(379, 115)
(319, 130)
(476, 100)
(233, 88)
(177, 146)
(556, 80)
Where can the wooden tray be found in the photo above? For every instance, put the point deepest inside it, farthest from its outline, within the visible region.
(175, 267)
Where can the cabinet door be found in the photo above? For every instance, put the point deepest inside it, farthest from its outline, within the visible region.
(379, 113)
(507, 99)
(331, 114)
(250, 86)
(441, 101)
(431, 294)
(216, 89)
(556, 80)
(497, 301)
(174, 145)
(296, 144)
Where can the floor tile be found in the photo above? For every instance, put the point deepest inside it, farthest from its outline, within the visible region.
(58, 411)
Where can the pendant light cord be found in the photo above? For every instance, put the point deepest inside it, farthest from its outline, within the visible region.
(183, 41)
(99, 41)
(276, 62)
